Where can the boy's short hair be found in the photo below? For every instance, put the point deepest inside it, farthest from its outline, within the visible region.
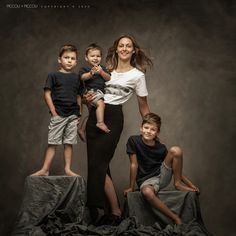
(68, 48)
(152, 118)
(93, 46)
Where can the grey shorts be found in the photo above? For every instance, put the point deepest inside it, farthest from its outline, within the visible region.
(99, 95)
(63, 130)
(161, 181)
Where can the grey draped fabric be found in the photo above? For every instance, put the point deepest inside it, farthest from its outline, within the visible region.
(55, 205)
(50, 198)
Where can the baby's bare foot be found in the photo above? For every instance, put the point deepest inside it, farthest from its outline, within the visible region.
(70, 173)
(103, 127)
(40, 173)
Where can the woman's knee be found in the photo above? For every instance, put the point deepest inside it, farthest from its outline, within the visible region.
(176, 151)
(148, 192)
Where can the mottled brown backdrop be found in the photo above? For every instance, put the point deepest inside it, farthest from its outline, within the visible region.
(192, 86)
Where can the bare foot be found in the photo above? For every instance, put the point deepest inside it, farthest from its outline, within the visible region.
(178, 221)
(70, 173)
(102, 126)
(194, 188)
(182, 187)
(40, 173)
(82, 135)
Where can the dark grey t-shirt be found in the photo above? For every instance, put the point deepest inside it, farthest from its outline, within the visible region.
(95, 82)
(65, 87)
(149, 158)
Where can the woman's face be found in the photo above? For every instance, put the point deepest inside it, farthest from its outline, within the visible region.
(125, 49)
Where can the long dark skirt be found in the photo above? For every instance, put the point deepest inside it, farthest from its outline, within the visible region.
(100, 150)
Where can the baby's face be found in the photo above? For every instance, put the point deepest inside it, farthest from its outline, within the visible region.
(94, 57)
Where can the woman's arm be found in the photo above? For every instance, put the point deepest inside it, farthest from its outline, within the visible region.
(143, 106)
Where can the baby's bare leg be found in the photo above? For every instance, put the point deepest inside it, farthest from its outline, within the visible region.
(100, 116)
(67, 159)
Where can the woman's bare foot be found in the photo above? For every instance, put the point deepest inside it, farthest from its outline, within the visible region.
(103, 127)
(178, 221)
(40, 173)
(70, 173)
(182, 187)
(82, 135)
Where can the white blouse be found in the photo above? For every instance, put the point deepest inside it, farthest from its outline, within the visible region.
(121, 87)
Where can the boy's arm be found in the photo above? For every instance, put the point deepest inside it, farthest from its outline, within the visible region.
(49, 102)
(133, 173)
(86, 76)
(104, 74)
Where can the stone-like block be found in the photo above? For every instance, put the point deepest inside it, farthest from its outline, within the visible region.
(185, 204)
(49, 199)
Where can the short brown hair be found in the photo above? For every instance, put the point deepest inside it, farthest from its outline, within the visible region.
(68, 48)
(152, 118)
(93, 46)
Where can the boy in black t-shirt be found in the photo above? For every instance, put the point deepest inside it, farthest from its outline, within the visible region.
(62, 96)
(152, 165)
(94, 77)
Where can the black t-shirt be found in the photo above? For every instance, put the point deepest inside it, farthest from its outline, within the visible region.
(95, 82)
(65, 87)
(149, 158)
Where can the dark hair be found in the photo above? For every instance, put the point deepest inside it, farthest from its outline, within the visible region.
(152, 118)
(93, 46)
(139, 59)
(68, 48)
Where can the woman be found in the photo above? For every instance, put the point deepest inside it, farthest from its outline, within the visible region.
(127, 63)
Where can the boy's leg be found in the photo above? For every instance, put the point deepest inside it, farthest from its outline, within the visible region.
(190, 184)
(174, 159)
(48, 157)
(100, 116)
(69, 138)
(148, 193)
(68, 150)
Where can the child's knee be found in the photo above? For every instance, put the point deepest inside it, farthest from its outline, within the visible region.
(176, 151)
(147, 192)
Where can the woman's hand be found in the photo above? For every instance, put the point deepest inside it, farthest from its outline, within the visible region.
(88, 97)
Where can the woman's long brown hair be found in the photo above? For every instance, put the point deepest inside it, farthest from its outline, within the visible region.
(138, 60)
